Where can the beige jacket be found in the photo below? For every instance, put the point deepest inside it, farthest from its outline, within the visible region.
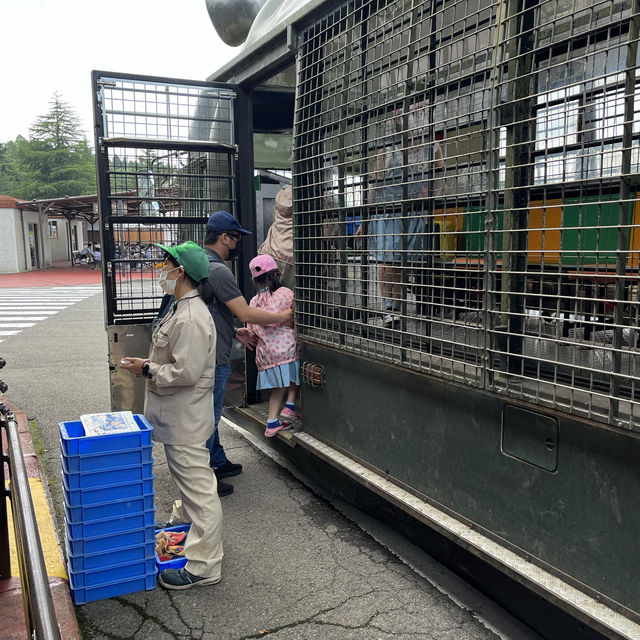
(182, 359)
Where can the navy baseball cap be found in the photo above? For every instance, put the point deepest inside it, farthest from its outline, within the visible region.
(223, 221)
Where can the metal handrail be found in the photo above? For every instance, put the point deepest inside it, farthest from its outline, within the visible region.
(39, 612)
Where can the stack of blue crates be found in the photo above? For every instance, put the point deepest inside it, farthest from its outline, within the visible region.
(109, 511)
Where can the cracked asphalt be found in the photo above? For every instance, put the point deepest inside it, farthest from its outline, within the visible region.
(294, 566)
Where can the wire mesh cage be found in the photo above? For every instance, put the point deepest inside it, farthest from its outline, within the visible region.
(169, 183)
(148, 109)
(465, 177)
(168, 159)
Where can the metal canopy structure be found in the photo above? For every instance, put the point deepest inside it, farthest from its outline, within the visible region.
(69, 207)
(86, 207)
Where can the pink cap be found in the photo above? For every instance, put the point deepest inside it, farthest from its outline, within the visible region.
(262, 264)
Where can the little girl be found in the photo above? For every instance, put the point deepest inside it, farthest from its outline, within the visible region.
(277, 353)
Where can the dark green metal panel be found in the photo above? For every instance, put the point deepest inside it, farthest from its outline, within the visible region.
(530, 436)
(444, 441)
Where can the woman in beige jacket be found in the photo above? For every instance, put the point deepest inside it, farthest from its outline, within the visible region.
(180, 371)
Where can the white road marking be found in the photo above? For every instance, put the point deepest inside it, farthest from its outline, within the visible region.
(23, 308)
(16, 325)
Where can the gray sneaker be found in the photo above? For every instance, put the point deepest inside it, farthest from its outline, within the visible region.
(180, 579)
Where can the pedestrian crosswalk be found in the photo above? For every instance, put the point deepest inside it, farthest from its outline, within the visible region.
(22, 308)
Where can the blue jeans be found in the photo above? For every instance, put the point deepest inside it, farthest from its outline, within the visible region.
(217, 456)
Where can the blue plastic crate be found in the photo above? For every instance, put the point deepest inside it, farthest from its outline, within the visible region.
(99, 495)
(115, 573)
(110, 556)
(176, 563)
(106, 477)
(104, 510)
(74, 442)
(101, 592)
(111, 525)
(102, 461)
(89, 546)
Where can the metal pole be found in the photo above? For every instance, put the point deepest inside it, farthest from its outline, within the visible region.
(5, 563)
(519, 38)
(624, 209)
(38, 603)
(70, 240)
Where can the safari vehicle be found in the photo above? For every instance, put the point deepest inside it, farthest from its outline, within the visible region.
(494, 146)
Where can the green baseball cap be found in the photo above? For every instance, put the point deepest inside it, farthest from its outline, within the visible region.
(191, 257)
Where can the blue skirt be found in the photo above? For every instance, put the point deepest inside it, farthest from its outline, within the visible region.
(279, 377)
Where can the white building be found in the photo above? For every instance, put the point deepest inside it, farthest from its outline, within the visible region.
(34, 234)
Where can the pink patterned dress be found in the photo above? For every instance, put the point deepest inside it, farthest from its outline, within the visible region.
(277, 352)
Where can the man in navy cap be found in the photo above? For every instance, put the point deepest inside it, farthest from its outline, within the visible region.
(221, 243)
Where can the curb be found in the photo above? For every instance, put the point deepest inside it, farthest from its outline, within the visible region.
(11, 603)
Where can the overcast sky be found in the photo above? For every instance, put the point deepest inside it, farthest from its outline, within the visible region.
(50, 46)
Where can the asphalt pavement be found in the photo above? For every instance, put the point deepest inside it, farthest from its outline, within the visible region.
(294, 565)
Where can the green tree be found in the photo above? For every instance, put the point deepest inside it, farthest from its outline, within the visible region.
(56, 161)
(8, 172)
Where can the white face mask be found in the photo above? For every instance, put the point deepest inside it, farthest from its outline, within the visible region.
(168, 286)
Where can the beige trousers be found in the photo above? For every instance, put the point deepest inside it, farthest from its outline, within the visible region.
(198, 487)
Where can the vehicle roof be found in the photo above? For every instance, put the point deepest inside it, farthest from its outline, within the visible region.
(267, 43)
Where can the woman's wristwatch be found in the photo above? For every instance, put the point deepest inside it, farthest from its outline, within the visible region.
(145, 370)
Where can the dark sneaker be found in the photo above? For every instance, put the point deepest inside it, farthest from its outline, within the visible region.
(227, 470)
(224, 489)
(181, 579)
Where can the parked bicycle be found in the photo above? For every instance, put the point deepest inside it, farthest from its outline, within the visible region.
(79, 258)
(86, 255)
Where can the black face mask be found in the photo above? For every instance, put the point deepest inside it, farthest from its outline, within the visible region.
(233, 254)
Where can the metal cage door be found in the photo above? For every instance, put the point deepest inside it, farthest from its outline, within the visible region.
(167, 157)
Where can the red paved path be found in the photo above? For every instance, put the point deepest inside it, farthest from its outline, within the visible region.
(61, 274)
